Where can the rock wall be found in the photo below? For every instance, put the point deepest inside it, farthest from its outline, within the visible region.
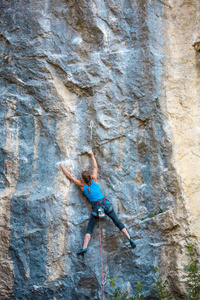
(182, 87)
(121, 77)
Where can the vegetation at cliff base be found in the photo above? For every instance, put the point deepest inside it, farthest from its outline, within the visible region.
(160, 287)
(192, 274)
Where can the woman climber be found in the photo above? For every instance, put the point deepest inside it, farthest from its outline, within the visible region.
(90, 188)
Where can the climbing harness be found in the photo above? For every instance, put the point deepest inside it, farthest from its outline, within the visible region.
(100, 212)
(103, 282)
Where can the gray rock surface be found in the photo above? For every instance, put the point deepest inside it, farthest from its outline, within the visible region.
(76, 74)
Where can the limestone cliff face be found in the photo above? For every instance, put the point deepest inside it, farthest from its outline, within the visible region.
(123, 78)
(182, 87)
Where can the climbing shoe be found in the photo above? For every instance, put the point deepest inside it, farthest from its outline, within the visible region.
(82, 251)
(133, 245)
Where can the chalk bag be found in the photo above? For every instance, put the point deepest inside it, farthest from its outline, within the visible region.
(101, 213)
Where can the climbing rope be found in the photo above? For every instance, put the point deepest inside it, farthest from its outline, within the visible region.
(103, 281)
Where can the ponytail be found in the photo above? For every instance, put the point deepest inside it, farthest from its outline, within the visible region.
(87, 179)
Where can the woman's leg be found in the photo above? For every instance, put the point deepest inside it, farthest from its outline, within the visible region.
(86, 240)
(117, 222)
(88, 234)
(121, 226)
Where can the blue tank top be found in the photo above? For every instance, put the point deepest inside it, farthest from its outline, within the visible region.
(95, 194)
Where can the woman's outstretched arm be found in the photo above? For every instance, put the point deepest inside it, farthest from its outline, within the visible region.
(69, 176)
(94, 175)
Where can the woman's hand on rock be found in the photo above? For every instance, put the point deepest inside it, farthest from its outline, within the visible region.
(89, 151)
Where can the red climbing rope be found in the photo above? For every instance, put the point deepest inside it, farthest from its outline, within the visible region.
(101, 261)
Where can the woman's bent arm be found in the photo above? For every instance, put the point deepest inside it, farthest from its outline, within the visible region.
(70, 177)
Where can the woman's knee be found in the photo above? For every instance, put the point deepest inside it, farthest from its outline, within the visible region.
(89, 231)
(91, 224)
(121, 226)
